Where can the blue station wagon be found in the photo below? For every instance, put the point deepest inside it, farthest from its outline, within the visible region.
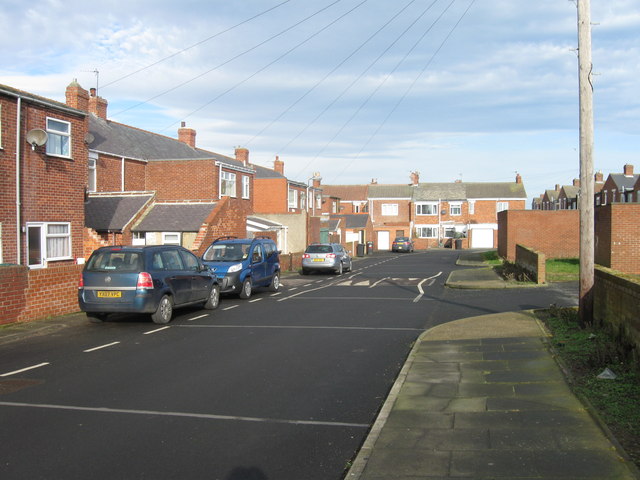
(146, 279)
(243, 264)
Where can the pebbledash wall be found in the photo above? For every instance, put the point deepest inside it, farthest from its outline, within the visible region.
(554, 233)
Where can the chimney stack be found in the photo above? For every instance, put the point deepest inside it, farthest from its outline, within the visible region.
(599, 177)
(576, 182)
(97, 105)
(374, 181)
(77, 97)
(518, 178)
(628, 170)
(415, 178)
(557, 189)
(317, 179)
(242, 155)
(187, 135)
(278, 165)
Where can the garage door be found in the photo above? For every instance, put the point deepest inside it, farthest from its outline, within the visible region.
(482, 238)
(383, 241)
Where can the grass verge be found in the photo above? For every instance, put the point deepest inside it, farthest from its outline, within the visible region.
(586, 352)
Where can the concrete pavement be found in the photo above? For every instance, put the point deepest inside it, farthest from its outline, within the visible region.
(484, 398)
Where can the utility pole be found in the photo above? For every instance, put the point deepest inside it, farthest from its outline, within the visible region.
(587, 253)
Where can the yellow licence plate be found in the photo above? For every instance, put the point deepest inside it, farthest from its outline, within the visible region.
(318, 259)
(109, 294)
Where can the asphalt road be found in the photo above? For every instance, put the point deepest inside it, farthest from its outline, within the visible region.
(281, 386)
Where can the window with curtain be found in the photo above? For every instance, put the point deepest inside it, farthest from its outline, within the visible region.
(228, 186)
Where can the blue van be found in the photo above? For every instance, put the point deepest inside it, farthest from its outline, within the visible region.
(242, 264)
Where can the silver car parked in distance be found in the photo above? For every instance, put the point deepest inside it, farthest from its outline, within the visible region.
(326, 257)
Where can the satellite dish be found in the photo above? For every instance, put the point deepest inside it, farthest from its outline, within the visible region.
(89, 138)
(36, 138)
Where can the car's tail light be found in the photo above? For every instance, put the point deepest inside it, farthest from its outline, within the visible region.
(81, 282)
(331, 255)
(144, 280)
(306, 255)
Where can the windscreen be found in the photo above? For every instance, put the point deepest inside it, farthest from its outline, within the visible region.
(227, 252)
(319, 249)
(115, 261)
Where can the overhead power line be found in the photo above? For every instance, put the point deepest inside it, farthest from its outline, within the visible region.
(196, 44)
(282, 32)
(408, 90)
(332, 71)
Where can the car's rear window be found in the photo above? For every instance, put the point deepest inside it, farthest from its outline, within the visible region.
(115, 261)
(319, 249)
(402, 239)
(227, 252)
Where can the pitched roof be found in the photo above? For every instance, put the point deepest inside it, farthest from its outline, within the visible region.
(570, 191)
(624, 181)
(356, 220)
(122, 140)
(390, 191)
(264, 172)
(181, 217)
(440, 191)
(14, 92)
(113, 212)
(495, 190)
(347, 193)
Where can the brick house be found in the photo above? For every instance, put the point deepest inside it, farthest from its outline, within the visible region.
(136, 175)
(568, 196)
(287, 207)
(618, 187)
(353, 229)
(390, 209)
(41, 203)
(353, 198)
(445, 211)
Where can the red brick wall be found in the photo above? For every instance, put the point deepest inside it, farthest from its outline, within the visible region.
(617, 237)
(34, 294)
(8, 179)
(554, 233)
(270, 195)
(169, 180)
(404, 213)
(228, 218)
(109, 174)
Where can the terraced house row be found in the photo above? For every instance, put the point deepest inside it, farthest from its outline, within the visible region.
(73, 180)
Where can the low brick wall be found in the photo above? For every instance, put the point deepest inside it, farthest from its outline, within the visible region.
(615, 305)
(34, 294)
(533, 262)
(291, 262)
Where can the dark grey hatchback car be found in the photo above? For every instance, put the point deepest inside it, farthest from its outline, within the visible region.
(151, 279)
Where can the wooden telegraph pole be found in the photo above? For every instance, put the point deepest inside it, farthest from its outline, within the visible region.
(586, 164)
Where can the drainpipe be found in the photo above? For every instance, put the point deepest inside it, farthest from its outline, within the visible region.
(18, 206)
(439, 221)
(219, 180)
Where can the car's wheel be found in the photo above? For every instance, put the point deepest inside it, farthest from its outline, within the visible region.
(245, 292)
(340, 269)
(275, 282)
(97, 317)
(164, 312)
(214, 298)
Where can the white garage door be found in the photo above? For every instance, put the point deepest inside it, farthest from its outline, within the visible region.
(383, 241)
(482, 238)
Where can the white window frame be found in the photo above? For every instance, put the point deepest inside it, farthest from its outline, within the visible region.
(58, 138)
(167, 241)
(501, 206)
(228, 184)
(449, 232)
(245, 186)
(318, 201)
(92, 179)
(423, 208)
(423, 231)
(472, 207)
(292, 198)
(138, 238)
(455, 209)
(45, 246)
(389, 207)
(303, 200)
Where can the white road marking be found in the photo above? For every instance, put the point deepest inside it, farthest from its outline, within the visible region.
(255, 300)
(207, 416)
(102, 346)
(417, 299)
(156, 330)
(197, 318)
(231, 307)
(276, 294)
(379, 281)
(24, 369)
